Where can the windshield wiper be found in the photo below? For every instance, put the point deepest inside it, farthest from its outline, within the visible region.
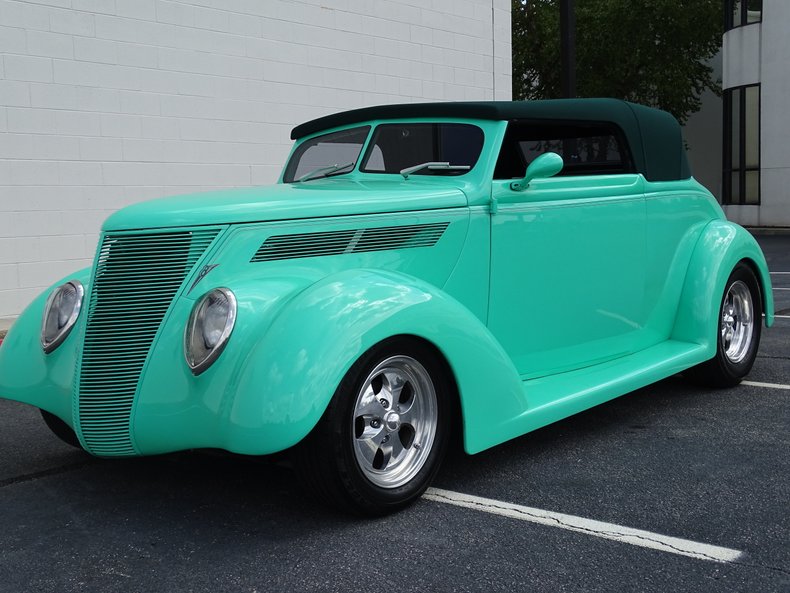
(433, 166)
(324, 171)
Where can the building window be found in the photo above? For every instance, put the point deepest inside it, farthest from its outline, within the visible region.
(742, 12)
(741, 183)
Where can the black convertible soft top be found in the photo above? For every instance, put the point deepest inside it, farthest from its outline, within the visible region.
(653, 135)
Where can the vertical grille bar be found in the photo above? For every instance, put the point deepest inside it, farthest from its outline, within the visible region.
(137, 277)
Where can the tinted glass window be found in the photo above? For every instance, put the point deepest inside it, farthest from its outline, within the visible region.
(741, 182)
(395, 147)
(742, 12)
(329, 150)
(586, 149)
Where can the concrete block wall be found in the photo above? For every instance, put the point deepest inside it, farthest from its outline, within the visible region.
(703, 135)
(107, 102)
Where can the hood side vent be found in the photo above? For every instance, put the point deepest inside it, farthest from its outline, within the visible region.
(299, 245)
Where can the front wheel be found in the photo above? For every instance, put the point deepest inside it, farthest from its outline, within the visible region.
(60, 429)
(383, 436)
(740, 322)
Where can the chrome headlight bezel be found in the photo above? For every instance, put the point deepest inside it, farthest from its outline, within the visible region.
(200, 355)
(50, 341)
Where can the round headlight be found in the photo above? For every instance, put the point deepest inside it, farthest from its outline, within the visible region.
(209, 327)
(60, 314)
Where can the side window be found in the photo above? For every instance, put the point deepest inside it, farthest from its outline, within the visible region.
(586, 148)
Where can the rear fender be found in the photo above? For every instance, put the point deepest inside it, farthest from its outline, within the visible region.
(721, 246)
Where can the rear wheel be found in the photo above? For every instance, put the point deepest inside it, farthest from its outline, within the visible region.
(383, 436)
(740, 322)
(61, 430)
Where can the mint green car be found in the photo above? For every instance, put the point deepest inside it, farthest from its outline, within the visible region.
(483, 268)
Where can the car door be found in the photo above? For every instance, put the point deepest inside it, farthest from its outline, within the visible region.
(567, 264)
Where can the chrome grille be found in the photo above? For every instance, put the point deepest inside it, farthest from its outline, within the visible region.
(135, 280)
(349, 241)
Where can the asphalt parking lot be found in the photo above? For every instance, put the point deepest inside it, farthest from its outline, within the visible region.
(711, 468)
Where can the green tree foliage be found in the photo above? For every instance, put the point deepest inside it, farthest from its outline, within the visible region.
(654, 52)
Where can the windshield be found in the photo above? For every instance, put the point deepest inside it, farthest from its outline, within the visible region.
(398, 147)
(330, 154)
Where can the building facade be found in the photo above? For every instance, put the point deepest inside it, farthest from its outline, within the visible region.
(107, 102)
(756, 82)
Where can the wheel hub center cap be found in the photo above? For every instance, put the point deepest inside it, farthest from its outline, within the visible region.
(392, 420)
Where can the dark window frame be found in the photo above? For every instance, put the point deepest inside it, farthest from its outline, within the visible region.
(512, 139)
(731, 21)
(291, 167)
(728, 167)
(374, 135)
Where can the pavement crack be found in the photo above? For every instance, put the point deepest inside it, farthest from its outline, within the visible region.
(45, 473)
(784, 571)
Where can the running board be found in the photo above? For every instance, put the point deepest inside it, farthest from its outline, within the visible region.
(558, 396)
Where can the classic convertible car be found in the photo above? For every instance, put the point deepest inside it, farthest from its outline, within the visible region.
(486, 268)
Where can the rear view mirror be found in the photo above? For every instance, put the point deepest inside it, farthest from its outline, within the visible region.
(546, 165)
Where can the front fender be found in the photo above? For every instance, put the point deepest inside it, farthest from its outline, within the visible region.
(292, 373)
(176, 410)
(720, 247)
(28, 375)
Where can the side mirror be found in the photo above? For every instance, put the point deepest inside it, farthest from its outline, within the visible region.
(546, 165)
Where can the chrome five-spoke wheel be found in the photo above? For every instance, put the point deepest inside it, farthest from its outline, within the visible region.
(737, 322)
(395, 418)
(382, 438)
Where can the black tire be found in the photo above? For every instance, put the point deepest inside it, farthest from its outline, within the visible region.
(734, 358)
(60, 429)
(334, 461)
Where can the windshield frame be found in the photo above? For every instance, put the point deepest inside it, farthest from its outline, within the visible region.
(292, 166)
(371, 144)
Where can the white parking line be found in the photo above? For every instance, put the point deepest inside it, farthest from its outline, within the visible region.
(775, 288)
(782, 316)
(626, 535)
(768, 385)
(780, 273)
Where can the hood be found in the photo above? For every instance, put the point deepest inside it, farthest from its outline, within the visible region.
(311, 199)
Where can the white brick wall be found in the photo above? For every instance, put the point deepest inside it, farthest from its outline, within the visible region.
(108, 102)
